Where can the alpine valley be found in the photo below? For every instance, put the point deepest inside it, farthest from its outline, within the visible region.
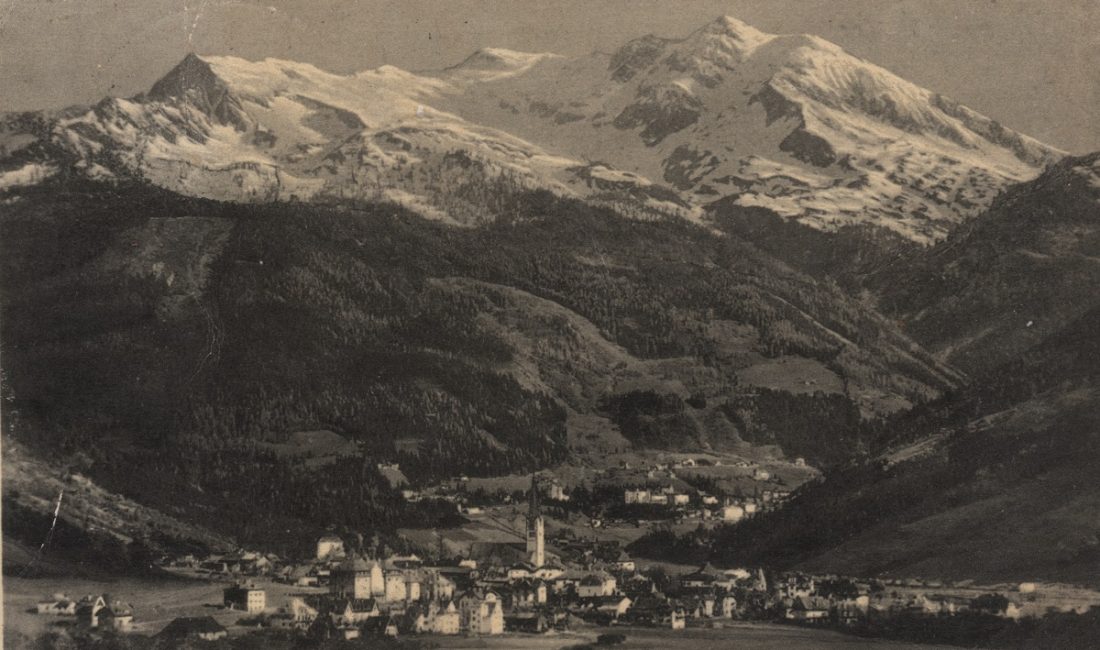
(235, 302)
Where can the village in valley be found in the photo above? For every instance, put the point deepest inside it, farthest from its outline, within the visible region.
(537, 580)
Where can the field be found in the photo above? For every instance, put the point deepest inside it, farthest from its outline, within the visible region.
(742, 636)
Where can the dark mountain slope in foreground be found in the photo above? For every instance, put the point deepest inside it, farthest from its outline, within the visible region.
(161, 339)
(995, 481)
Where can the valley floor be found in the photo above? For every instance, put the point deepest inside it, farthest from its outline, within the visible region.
(752, 636)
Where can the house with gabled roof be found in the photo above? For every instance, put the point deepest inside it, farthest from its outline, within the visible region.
(357, 610)
(615, 606)
(87, 610)
(649, 609)
(305, 608)
(116, 616)
(102, 612)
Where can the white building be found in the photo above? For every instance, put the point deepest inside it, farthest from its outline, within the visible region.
(439, 619)
(733, 513)
(395, 590)
(483, 615)
(247, 598)
(330, 547)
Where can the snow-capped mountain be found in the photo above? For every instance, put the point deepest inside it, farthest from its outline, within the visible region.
(790, 123)
(226, 128)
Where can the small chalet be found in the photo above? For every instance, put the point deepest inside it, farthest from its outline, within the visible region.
(87, 610)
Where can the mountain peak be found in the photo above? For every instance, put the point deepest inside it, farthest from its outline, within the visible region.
(194, 80)
(735, 34)
(496, 59)
(724, 42)
(737, 28)
(191, 72)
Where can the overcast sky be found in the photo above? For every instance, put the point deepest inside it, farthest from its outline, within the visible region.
(1032, 64)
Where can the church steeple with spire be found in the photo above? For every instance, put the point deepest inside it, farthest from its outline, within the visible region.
(536, 527)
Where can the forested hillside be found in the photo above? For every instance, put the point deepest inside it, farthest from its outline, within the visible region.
(1004, 282)
(158, 340)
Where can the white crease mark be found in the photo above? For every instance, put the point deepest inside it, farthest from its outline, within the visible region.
(49, 534)
(195, 23)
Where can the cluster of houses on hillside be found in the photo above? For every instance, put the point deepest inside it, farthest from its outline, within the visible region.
(653, 483)
(664, 488)
(701, 505)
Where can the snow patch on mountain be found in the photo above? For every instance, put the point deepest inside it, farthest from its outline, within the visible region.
(496, 63)
(28, 174)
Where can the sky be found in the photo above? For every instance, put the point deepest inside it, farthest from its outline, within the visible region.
(1033, 65)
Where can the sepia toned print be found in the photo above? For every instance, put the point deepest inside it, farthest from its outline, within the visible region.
(550, 325)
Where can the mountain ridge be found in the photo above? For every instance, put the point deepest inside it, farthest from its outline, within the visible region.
(788, 123)
(695, 104)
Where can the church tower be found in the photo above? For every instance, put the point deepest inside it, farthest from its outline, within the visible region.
(536, 527)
